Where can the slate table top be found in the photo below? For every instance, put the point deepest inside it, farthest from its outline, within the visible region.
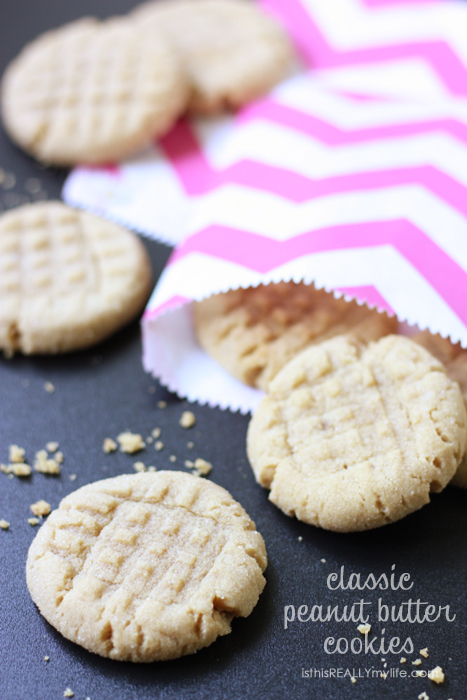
(102, 391)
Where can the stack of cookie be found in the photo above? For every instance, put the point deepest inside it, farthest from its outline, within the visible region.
(352, 434)
(97, 91)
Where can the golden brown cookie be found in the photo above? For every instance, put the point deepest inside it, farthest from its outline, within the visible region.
(351, 438)
(454, 358)
(146, 567)
(232, 51)
(254, 332)
(68, 279)
(92, 92)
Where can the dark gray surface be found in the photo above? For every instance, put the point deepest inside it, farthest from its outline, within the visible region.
(103, 391)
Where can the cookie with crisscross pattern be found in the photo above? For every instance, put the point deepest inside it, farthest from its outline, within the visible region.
(92, 92)
(68, 279)
(147, 566)
(351, 438)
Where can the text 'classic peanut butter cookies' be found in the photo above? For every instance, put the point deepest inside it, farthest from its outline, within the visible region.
(351, 438)
(68, 279)
(146, 567)
(232, 51)
(92, 92)
(254, 332)
(454, 358)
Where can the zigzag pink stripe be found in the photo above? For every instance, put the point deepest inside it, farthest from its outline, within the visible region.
(369, 294)
(319, 53)
(169, 305)
(264, 254)
(335, 136)
(198, 177)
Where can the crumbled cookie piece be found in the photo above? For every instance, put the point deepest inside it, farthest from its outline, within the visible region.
(417, 662)
(72, 477)
(109, 445)
(68, 693)
(353, 679)
(201, 467)
(46, 658)
(323, 561)
(403, 660)
(44, 465)
(423, 696)
(156, 433)
(149, 440)
(40, 508)
(190, 445)
(172, 458)
(16, 469)
(436, 675)
(33, 521)
(139, 467)
(130, 442)
(59, 457)
(424, 652)
(16, 454)
(189, 464)
(152, 469)
(52, 446)
(49, 387)
(4, 524)
(187, 419)
(162, 404)
(159, 445)
(364, 628)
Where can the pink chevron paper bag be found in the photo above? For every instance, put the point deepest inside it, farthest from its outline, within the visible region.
(336, 178)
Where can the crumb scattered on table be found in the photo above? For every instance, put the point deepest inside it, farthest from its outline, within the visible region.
(152, 469)
(417, 662)
(187, 419)
(33, 521)
(159, 445)
(72, 477)
(46, 658)
(156, 433)
(139, 467)
(130, 442)
(162, 404)
(16, 454)
(4, 524)
(403, 660)
(202, 467)
(172, 458)
(424, 652)
(51, 446)
(423, 696)
(436, 675)
(109, 445)
(68, 693)
(365, 629)
(17, 469)
(49, 387)
(323, 561)
(189, 464)
(190, 445)
(40, 508)
(44, 464)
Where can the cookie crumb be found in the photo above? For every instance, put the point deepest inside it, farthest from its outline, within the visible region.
(436, 675)
(109, 445)
(40, 507)
(59, 457)
(202, 467)
(139, 467)
(190, 445)
(130, 442)
(152, 469)
(159, 445)
(4, 524)
(423, 696)
(162, 404)
(44, 465)
(33, 521)
(72, 477)
(16, 454)
(187, 419)
(46, 658)
(417, 662)
(52, 446)
(172, 458)
(149, 440)
(424, 652)
(353, 680)
(189, 464)
(403, 660)
(16, 469)
(364, 628)
(300, 538)
(49, 387)
(323, 561)
(156, 433)
(68, 693)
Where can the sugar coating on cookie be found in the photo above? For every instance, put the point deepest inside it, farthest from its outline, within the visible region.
(454, 358)
(68, 279)
(254, 332)
(92, 92)
(233, 52)
(351, 438)
(146, 567)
